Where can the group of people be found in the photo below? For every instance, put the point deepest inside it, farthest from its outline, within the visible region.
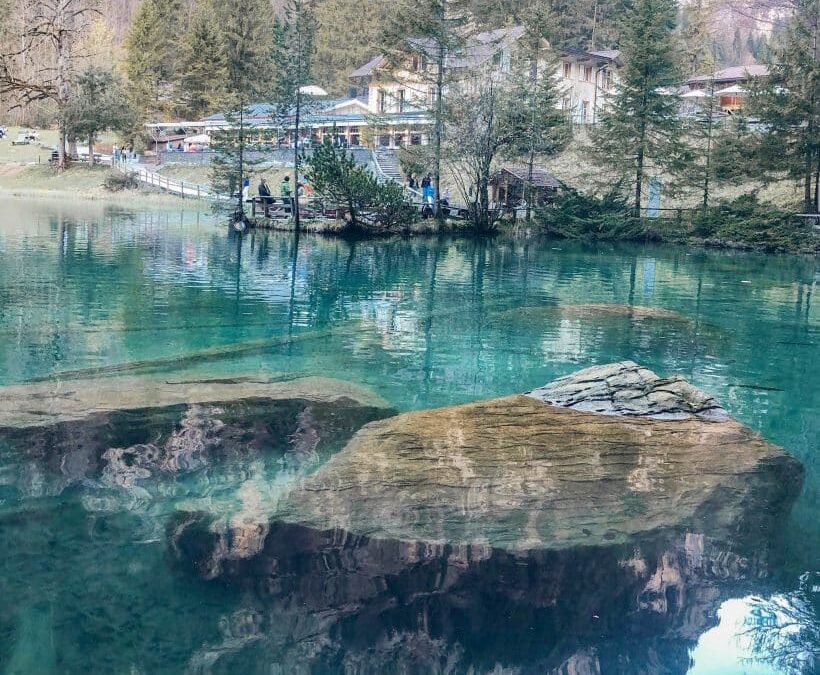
(124, 154)
(286, 192)
(428, 194)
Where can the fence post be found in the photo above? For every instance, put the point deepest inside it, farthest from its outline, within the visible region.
(182, 188)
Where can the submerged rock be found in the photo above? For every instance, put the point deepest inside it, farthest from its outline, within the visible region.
(522, 473)
(508, 534)
(330, 601)
(49, 402)
(594, 310)
(139, 435)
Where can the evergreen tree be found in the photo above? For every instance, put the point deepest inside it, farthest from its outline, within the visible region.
(151, 53)
(347, 34)
(335, 175)
(542, 128)
(245, 27)
(702, 130)
(425, 37)
(294, 37)
(640, 128)
(202, 79)
(246, 40)
(97, 103)
(787, 104)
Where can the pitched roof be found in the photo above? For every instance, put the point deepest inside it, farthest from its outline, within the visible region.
(733, 74)
(610, 54)
(540, 178)
(369, 67)
(479, 49)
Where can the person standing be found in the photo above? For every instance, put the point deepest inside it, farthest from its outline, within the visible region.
(285, 189)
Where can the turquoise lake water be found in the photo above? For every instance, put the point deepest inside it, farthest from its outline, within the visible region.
(86, 585)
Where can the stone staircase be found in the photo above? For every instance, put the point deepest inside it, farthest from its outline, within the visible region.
(388, 165)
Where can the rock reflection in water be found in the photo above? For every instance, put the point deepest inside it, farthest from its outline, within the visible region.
(330, 602)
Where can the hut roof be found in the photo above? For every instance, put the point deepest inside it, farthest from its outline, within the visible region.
(540, 178)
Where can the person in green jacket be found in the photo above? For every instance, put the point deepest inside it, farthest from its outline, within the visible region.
(285, 190)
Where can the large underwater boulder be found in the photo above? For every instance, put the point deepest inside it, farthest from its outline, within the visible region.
(600, 456)
(593, 525)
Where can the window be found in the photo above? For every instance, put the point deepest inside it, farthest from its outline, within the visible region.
(415, 62)
(567, 71)
(384, 140)
(398, 140)
(584, 108)
(400, 97)
(415, 138)
(431, 97)
(566, 104)
(587, 73)
(382, 101)
(354, 138)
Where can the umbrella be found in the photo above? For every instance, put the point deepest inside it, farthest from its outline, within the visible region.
(695, 93)
(734, 90)
(312, 90)
(199, 139)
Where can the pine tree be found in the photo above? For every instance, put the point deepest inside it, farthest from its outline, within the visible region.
(543, 129)
(151, 54)
(640, 128)
(787, 104)
(202, 77)
(347, 33)
(294, 36)
(246, 38)
(428, 34)
(703, 130)
(97, 103)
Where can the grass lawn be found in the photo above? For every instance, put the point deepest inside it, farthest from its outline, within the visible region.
(35, 153)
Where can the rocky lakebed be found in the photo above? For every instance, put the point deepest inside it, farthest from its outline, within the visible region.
(611, 497)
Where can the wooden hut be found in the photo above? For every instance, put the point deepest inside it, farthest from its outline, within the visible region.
(509, 186)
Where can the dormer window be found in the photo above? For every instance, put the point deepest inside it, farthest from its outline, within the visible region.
(567, 70)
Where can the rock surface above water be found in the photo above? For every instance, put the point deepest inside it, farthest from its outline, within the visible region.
(628, 389)
(521, 473)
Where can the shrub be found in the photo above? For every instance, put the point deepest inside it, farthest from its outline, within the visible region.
(370, 205)
(747, 221)
(117, 182)
(574, 215)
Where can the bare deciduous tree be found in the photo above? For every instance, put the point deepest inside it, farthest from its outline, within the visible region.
(40, 56)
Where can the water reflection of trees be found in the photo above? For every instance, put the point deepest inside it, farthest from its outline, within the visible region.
(785, 629)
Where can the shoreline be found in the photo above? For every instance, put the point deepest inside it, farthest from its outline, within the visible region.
(148, 199)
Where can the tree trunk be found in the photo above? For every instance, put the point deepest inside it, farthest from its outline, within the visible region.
(438, 126)
(638, 182)
(61, 156)
(295, 207)
(531, 160)
(91, 149)
(62, 75)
